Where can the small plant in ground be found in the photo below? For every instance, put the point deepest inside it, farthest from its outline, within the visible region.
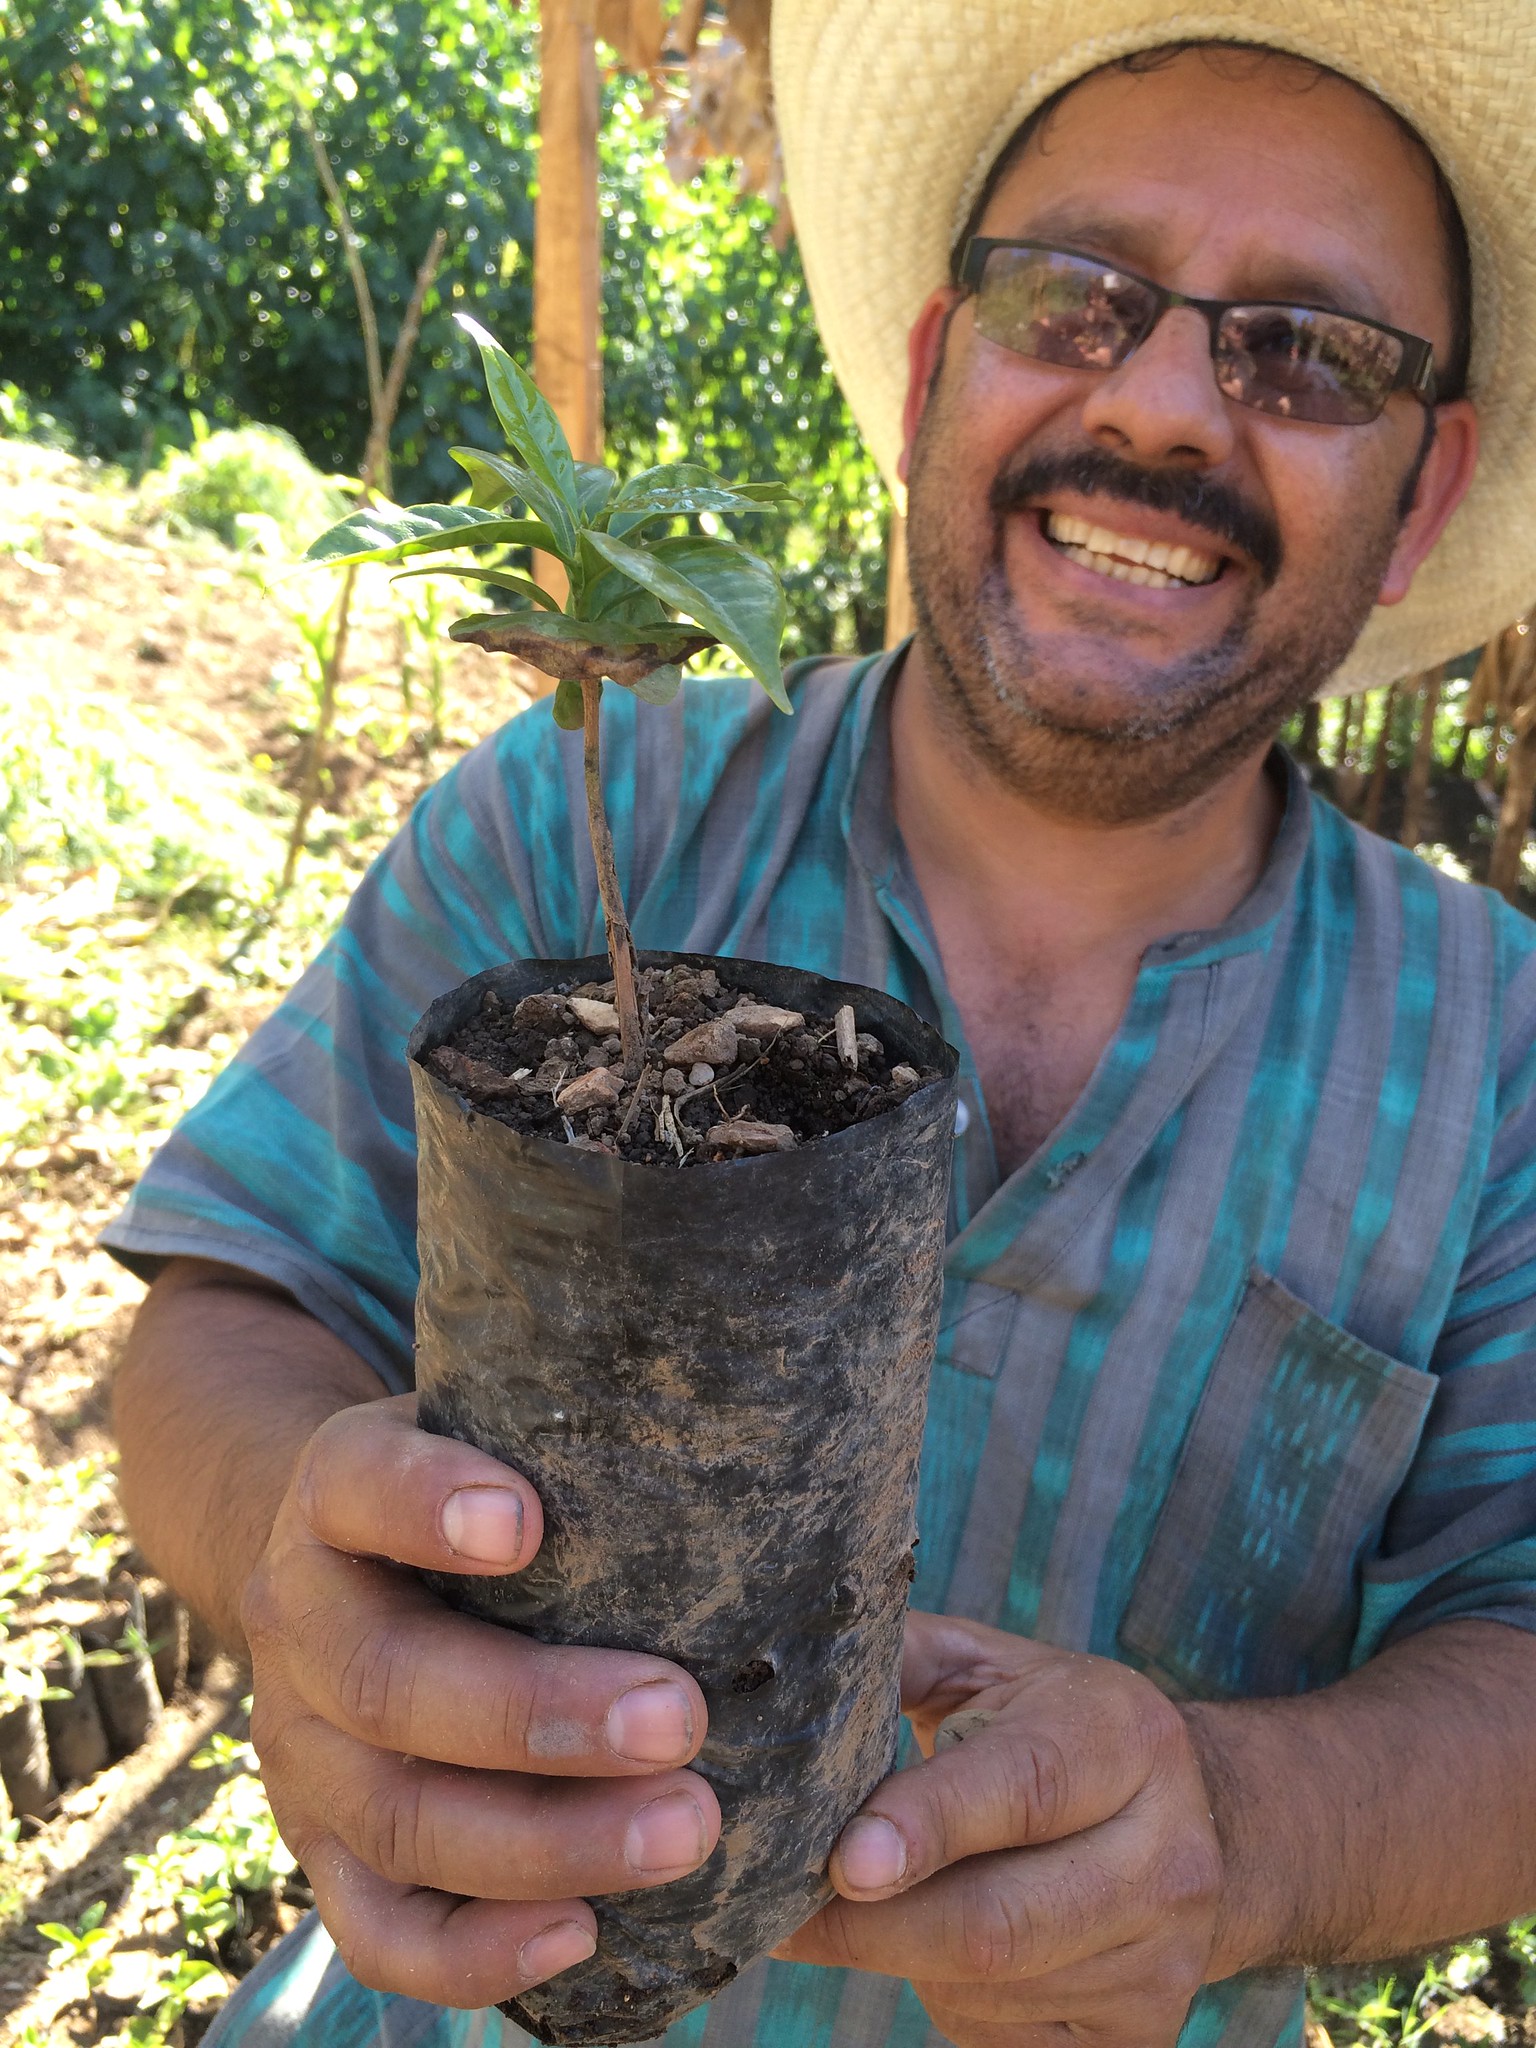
(203, 1870)
(224, 1753)
(647, 588)
(244, 484)
(186, 1980)
(87, 1945)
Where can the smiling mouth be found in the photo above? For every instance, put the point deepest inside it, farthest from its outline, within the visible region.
(1152, 564)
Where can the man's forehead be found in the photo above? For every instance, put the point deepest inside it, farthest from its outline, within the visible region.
(1130, 154)
(1276, 96)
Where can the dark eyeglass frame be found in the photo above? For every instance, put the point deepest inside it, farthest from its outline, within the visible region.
(1415, 372)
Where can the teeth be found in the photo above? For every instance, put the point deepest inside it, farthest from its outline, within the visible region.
(1152, 564)
(1121, 572)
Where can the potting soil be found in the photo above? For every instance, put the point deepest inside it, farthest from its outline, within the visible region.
(513, 1062)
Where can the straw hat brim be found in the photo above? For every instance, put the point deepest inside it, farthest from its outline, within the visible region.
(893, 111)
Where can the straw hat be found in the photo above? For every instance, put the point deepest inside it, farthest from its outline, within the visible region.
(893, 111)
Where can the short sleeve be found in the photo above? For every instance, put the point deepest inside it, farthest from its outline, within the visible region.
(1460, 1541)
(300, 1162)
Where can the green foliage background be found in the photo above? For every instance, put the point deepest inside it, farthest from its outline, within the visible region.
(165, 250)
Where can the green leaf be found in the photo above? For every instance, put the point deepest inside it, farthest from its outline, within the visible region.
(375, 535)
(569, 711)
(488, 488)
(528, 420)
(581, 632)
(666, 476)
(678, 489)
(679, 504)
(729, 592)
(660, 686)
(614, 596)
(689, 476)
(559, 527)
(594, 487)
(504, 579)
(771, 493)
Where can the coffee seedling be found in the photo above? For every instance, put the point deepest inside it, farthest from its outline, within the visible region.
(647, 590)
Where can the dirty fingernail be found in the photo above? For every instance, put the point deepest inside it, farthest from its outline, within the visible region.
(651, 1724)
(666, 1835)
(557, 1948)
(484, 1523)
(871, 1855)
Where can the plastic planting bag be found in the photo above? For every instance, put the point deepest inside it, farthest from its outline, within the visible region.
(715, 1376)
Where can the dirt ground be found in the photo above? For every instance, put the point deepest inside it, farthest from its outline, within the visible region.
(93, 602)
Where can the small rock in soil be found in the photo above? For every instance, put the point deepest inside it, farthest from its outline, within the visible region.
(747, 1137)
(471, 1077)
(600, 1089)
(905, 1078)
(700, 1076)
(673, 1081)
(763, 1020)
(598, 1018)
(546, 1013)
(713, 1042)
(869, 1046)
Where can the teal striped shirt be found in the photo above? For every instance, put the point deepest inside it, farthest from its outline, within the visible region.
(1237, 1376)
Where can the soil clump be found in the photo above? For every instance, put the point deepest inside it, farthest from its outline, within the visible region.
(726, 1075)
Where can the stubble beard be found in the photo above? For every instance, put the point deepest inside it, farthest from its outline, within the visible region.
(1194, 722)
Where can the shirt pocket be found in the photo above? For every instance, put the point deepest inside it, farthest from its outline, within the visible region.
(1303, 1435)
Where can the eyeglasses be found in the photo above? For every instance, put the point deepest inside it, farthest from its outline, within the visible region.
(1296, 362)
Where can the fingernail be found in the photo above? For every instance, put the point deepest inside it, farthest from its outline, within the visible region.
(666, 1835)
(871, 1855)
(484, 1523)
(651, 1724)
(557, 1948)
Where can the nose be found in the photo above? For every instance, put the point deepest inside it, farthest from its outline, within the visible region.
(1162, 404)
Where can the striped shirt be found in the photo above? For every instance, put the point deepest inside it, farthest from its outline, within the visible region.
(1237, 1375)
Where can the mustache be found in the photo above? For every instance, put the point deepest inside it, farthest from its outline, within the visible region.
(1203, 502)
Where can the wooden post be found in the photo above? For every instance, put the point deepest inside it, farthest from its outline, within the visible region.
(1423, 759)
(1504, 860)
(567, 248)
(1515, 806)
(899, 615)
(1482, 691)
(1309, 748)
(1370, 816)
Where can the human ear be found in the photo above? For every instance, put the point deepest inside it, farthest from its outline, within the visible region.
(925, 352)
(1443, 482)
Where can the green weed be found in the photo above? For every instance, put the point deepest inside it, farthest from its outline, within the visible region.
(87, 1944)
(251, 486)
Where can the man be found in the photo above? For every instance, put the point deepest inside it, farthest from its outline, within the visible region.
(1229, 1494)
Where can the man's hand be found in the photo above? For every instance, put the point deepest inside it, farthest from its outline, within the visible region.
(1051, 1874)
(451, 1788)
